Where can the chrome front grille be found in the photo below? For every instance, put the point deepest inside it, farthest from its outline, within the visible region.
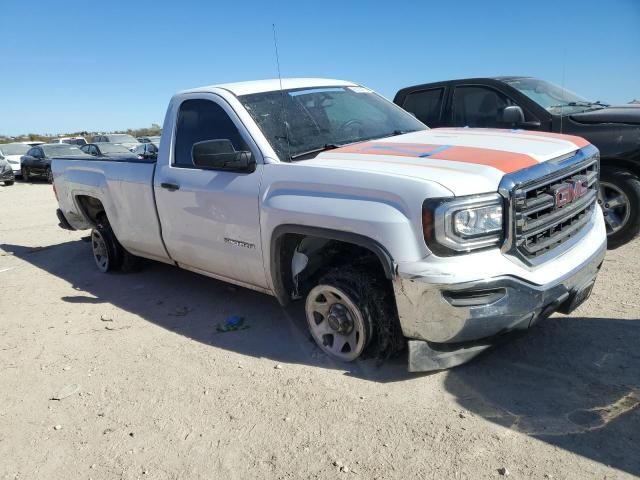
(550, 204)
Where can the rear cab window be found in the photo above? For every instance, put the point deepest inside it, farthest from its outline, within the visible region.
(426, 105)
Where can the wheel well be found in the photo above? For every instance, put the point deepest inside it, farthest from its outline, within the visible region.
(633, 167)
(301, 255)
(91, 207)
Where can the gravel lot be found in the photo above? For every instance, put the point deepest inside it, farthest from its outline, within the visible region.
(163, 395)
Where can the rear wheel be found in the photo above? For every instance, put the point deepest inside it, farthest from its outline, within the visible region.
(8, 183)
(619, 198)
(104, 248)
(108, 254)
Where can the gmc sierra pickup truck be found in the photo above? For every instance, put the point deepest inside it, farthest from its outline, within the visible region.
(323, 191)
(533, 104)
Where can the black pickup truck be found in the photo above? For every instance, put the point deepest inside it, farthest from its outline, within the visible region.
(533, 104)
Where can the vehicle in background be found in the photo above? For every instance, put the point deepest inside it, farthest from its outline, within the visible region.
(147, 150)
(118, 138)
(70, 140)
(111, 150)
(12, 153)
(37, 161)
(323, 190)
(152, 139)
(533, 104)
(6, 172)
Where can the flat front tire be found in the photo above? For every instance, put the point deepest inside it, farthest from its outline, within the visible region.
(351, 313)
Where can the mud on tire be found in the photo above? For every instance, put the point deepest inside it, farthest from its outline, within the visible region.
(373, 295)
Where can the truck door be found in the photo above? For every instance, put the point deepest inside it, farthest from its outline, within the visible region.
(210, 217)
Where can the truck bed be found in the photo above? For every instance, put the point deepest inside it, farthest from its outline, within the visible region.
(125, 188)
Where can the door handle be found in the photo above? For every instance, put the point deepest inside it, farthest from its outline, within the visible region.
(170, 186)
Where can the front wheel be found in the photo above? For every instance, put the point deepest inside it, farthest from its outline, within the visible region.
(49, 175)
(350, 311)
(619, 198)
(25, 174)
(8, 183)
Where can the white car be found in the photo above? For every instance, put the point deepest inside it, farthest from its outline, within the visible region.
(70, 140)
(12, 152)
(322, 191)
(119, 139)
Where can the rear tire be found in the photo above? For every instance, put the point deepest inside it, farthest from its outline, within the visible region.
(104, 248)
(620, 202)
(8, 183)
(108, 254)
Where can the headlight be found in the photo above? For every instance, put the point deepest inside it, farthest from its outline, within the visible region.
(460, 224)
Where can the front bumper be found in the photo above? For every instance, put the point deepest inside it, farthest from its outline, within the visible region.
(451, 322)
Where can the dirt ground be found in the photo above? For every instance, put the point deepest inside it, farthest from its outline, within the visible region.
(161, 394)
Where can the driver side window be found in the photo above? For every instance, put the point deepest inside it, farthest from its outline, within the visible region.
(483, 107)
(476, 106)
(199, 120)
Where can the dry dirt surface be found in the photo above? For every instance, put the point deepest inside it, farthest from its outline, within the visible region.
(126, 376)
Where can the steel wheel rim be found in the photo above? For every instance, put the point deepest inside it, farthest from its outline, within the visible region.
(100, 252)
(335, 323)
(615, 206)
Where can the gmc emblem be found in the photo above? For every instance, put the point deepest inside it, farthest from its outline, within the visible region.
(569, 191)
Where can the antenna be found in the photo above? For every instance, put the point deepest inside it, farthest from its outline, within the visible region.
(284, 112)
(564, 64)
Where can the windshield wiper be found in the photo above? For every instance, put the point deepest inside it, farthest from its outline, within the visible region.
(324, 148)
(572, 104)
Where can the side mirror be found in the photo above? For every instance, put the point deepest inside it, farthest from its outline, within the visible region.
(220, 155)
(513, 115)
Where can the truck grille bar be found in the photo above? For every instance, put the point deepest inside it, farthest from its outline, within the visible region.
(550, 204)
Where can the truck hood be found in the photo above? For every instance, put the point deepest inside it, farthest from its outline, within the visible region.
(628, 114)
(464, 160)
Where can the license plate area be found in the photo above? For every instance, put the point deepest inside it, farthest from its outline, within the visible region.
(578, 297)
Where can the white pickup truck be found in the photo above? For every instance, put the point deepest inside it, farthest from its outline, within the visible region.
(323, 191)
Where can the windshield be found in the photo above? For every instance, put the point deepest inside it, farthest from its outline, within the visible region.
(14, 149)
(319, 118)
(122, 139)
(57, 149)
(551, 97)
(112, 148)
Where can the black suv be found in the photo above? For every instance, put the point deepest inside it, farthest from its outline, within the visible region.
(532, 104)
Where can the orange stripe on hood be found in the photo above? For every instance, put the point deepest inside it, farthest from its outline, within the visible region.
(578, 141)
(507, 162)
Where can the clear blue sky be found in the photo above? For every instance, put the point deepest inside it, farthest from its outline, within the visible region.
(77, 65)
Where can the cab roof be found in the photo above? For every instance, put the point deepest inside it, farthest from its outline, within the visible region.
(272, 84)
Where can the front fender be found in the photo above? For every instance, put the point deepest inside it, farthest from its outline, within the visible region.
(371, 209)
